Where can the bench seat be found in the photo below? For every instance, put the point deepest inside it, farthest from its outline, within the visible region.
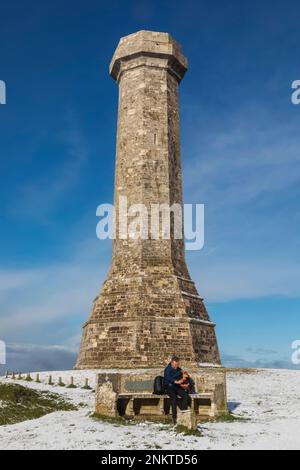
(145, 403)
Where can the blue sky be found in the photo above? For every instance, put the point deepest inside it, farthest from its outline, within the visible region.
(240, 155)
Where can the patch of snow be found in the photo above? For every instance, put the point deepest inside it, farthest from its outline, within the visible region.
(268, 399)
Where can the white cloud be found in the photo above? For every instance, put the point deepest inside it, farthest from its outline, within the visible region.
(242, 158)
(243, 169)
(52, 293)
(222, 281)
(73, 342)
(231, 360)
(15, 279)
(34, 357)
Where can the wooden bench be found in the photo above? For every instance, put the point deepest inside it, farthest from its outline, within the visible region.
(145, 403)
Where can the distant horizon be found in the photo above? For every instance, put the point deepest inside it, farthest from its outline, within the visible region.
(40, 356)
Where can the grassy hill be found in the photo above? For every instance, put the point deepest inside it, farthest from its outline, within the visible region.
(18, 403)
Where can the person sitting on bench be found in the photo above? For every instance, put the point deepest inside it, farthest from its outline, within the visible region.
(173, 379)
(188, 383)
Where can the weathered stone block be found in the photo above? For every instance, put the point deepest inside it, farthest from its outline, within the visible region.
(106, 400)
(187, 419)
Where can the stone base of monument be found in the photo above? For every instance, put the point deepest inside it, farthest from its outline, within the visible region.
(130, 393)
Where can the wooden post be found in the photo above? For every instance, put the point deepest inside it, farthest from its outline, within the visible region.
(72, 385)
(60, 382)
(86, 385)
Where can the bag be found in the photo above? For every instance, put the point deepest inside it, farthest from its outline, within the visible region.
(159, 386)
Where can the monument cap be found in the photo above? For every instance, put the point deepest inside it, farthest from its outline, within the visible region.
(149, 44)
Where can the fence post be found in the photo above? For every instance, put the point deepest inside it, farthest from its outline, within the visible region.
(60, 382)
(86, 385)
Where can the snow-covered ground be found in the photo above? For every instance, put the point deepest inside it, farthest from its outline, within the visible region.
(268, 400)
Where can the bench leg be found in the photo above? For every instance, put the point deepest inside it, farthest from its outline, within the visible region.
(193, 405)
(212, 412)
(129, 408)
(161, 406)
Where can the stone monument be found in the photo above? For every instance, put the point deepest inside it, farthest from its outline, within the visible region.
(149, 307)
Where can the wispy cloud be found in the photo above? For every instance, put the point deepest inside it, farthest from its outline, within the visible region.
(15, 279)
(51, 294)
(225, 279)
(261, 351)
(34, 357)
(243, 169)
(231, 360)
(248, 155)
(38, 198)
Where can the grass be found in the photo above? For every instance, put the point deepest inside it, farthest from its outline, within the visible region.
(18, 403)
(121, 421)
(117, 421)
(187, 432)
(225, 418)
(230, 418)
(125, 421)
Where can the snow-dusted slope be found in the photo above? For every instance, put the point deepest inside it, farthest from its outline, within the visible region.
(268, 399)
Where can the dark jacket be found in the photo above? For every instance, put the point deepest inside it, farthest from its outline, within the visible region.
(172, 375)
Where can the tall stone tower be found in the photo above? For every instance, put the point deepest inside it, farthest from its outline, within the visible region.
(149, 307)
